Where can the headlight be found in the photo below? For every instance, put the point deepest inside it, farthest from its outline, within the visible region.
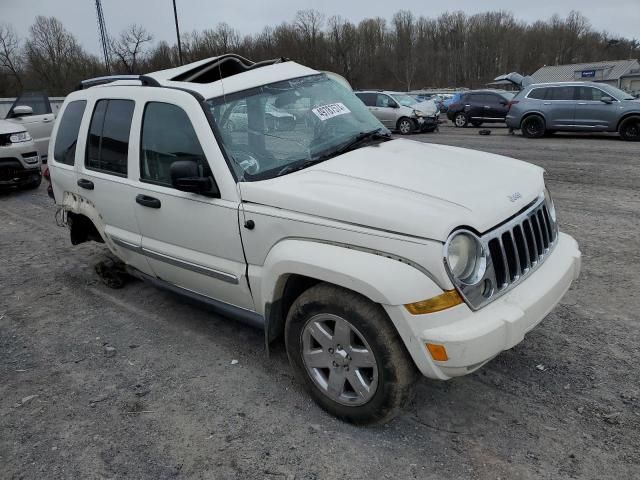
(418, 113)
(466, 257)
(550, 206)
(20, 137)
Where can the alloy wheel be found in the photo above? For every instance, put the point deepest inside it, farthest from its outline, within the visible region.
(339, 360)
(460, 120)
(405, 127)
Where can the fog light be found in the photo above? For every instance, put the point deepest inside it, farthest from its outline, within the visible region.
(438, 352)
(445, 300)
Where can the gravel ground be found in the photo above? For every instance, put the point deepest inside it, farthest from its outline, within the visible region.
(136, 383)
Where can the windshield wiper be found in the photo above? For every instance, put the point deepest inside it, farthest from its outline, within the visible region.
(355, 142)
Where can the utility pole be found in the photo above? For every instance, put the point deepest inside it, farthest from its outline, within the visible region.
(175, 15)
(104, 38)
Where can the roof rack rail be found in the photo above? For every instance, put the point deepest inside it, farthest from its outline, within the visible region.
(92, 82)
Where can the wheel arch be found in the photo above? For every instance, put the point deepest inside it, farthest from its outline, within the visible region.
(530, 114)
(626, 117)
(293, 266)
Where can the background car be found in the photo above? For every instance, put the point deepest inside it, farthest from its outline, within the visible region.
(32, 110)
(275, 119)
(480, 106)
(399, 111)
(574, 107)
(19, 159)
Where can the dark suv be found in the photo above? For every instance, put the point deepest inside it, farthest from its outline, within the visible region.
(480, 106)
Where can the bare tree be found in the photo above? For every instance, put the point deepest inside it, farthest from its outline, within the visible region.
(129, 47)
(11, 55)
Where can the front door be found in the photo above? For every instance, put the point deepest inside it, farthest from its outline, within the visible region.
(40, 123)
(592, 113)
(386, 110)
(191, 240)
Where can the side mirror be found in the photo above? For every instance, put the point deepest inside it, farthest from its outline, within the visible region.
(606, 99)
(186, 177)
(393, 105)
(504, 102)
(22, 111)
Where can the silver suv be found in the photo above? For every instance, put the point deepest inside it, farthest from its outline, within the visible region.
(400, 111)
(574, 107)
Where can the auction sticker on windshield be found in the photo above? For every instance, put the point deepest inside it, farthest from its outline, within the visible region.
(325, 112)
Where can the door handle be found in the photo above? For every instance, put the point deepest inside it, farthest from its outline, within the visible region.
(547, 103)
(86, 184)
(487, 106)
(147, 201)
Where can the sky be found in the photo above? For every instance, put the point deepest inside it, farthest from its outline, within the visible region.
(618, 17)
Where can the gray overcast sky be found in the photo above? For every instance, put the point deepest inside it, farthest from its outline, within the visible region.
(619, 17)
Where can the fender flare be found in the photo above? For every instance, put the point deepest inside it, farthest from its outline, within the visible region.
(382, 279)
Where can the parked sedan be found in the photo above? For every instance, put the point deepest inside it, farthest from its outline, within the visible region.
(480, 106)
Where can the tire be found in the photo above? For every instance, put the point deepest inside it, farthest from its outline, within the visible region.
(476, 123)
(460, 120)
(630, 129)
(533, 127)
(405, 126)
(369, 394)
(32, 185)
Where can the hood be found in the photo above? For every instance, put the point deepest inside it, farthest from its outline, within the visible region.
(9, 127)
(406, 187)
(428, 107)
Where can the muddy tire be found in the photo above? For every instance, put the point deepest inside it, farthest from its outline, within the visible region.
(348, 356)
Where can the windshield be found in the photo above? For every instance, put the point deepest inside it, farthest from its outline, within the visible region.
(270, 130)
(617, 93)
(404, 100)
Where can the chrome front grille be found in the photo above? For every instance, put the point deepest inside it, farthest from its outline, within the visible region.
(514, 250)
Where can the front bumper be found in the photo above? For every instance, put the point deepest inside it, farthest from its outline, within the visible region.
(427, 123)
(472, 338)
(20, 164)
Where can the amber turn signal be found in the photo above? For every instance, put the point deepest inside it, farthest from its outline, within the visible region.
(438, 352)
(445, 300)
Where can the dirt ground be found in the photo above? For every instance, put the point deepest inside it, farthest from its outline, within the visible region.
(137, 383)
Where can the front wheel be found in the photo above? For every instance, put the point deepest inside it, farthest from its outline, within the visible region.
(405, 126)
(533, 127)
(348, 356)
(630, 129)
(460, 120)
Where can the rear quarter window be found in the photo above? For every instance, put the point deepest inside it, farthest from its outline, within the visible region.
(67, 136)
(537, 93)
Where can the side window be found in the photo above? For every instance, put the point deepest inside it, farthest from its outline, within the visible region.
(38, 101)
(590, 94)
(369, 99)
(167, 136)
(383, 100)
(537, 94)
(67, 136)
(561, 93)
(108, 142)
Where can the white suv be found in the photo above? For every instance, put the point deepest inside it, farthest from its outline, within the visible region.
(375, 258)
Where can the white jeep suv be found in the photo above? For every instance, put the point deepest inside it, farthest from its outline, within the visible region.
(375, 258)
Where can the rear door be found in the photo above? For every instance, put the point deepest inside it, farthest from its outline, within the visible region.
(40, 123)
(104, 176)
(191, 240)
(559, 107)
(591, 112)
